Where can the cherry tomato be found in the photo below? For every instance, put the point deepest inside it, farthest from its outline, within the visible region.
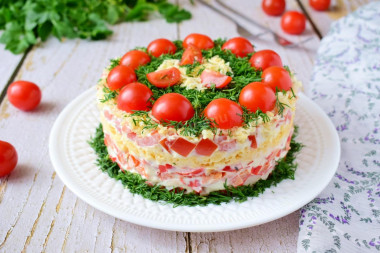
(293, 22)
(320, 5)
(161, 46)
(120, 76)
(134, 97)
(210, 77)
(8, 158)
(239, 46)
(24, 95)
(256, 96)
(226, 113)
(165, 77)
(264, 59)
(191, 55)
(273, 7)
(199, 40)
(172, 107)
(135, 59)
(277, 77)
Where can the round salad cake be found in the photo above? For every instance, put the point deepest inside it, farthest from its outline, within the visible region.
(198, 114)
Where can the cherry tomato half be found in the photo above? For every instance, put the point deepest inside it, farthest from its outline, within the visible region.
(172, 107)
(293, 22)
(273, 7)
(24, 95)
(226, 113)
(161, 46)
(264, 59)
(133, 97)
(191, 55)
(320, 5)
(239, 46)
(210, 77)
(8, 158)
(256, 96)
(201, 41)
(277, 77)
(165, 77)
(120, 76)
(135, 59)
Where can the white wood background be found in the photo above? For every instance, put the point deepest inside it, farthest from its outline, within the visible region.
(39, 214)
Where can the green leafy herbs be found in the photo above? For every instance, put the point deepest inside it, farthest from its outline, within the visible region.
(285, 169)
(25, 22)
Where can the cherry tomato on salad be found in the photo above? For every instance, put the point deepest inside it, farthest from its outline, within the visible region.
(256, 96)
(225, 113)
(161, 46)
(164, 78)
(273, 7)
(320, 5)
(277, 77)
(201, 41)
(239, 46)
(24, 95)
(134, 97)
(172, 107)
(210, 77)
(293, 22)
(120, 76)
(264, 59)
(135, 59)
(8, 158)
(191, 55)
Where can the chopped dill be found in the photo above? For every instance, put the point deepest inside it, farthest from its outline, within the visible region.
(108, 94)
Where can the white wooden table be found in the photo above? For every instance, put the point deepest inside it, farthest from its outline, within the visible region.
(39, 214)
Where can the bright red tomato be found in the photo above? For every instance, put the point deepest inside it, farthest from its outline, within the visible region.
(226, 113)
(209, 77)
(239, 46)
(320, 5)
(135, 59)
(205, 147)
(191, 55)
(161, 46)
(172, 107)
(273, 7)
(201, 41)
(264, 59)
(134, 97)
(8, 158)
(256, 96)
(120, 76)
(165, 77)
(24, 95)
(182, 146)
(277, 77)
(293, 22)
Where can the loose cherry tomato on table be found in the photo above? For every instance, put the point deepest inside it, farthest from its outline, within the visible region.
(225, 113)
(256, 96)
(164, 78)
(135, 59)
(134, 97)
(264, 59)
(201, 41)
(320, 5)
(293, 22)
(277, 77)
(191, 55)
(210, 77)
(273, 7)
(8, 158)
(239, 46)
(161, 46)
(24, 95)
(172, 107)
(120, 76)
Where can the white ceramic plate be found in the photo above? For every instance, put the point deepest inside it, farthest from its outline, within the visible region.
(74, 162)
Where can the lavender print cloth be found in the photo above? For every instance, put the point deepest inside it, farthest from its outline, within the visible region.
(345, 217)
